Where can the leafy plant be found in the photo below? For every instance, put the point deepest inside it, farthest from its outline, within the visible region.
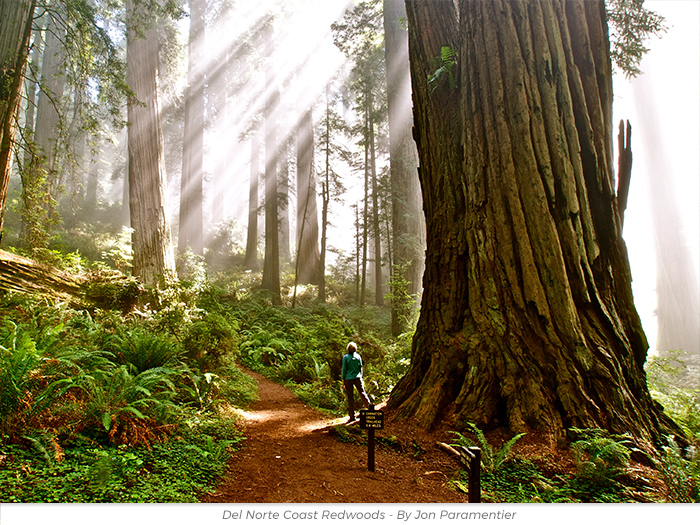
(129, 408)
(18, 360)
(599, 456)
(140, 349)
(445, 63)
(673, 384)
(681, 471)
(491, 459)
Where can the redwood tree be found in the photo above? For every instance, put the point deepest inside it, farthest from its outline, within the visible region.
(191, 212)
(407, 224)
(15, 34)
(308, 256)
(527, 318)
(152, 245)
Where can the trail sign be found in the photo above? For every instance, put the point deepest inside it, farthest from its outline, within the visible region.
(373, 419)
(370, 420)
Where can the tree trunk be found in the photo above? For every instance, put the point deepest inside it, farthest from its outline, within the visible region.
(15, 34)
(190, 228)
(47, 132)
(271, 263)
(251, 247)
(152, 245)
(283, 201)
(376, 230)
(527, 318)
(307, 214)
(677, 291)
(408, 225)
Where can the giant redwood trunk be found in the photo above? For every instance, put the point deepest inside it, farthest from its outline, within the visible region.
(15, 33)
(152, 245)
(527, 318)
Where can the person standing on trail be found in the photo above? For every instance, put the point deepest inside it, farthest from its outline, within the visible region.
(352, 378)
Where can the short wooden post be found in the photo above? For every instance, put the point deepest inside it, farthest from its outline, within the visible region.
(475, 475)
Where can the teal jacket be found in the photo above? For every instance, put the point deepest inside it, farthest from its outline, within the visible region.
(352, 366)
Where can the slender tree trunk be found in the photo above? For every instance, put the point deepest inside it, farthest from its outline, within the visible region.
(408, 224)
(191, 212)
(283, 201)
(527, 319)
(376, 228)
(251, 249)
(15, 35)
(326, 199)
(153, 250)
(365, 212)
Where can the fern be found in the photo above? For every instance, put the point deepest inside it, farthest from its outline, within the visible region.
(600, 456)
(491, 459)
(446, 62)
(681, 471)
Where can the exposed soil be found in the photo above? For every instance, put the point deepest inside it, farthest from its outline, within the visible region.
(292, 454)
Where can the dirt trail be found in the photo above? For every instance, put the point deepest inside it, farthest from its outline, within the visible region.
(289, 456)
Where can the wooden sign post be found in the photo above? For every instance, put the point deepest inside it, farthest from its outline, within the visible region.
(370, 420)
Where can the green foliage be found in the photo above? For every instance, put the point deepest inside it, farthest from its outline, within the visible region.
(680, 470)
(113, 292)
(140, 349)
(600, 456)
(126, 408)
(445, 64)
(674, 384)
(177, 470)
(491, 459)
(631, 25)
(18, 361)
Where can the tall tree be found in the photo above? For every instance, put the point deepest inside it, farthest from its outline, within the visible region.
(152, 244)
(408, 226)
(677, 292)
(251, 248)
(271, 262)
(283, 152)
(308, 256)
(527, 318)
(15, 35)
(359, 37)
(331, 185)
(191, 212)
(47, 132)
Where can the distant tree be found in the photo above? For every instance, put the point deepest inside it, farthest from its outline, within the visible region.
(283, 156)
(527, 318)
(191, 231)
(407, 222)
(359, 37)
(308, 256)
(152, 244)
(333, 153)
(251, 249)
(271, 262)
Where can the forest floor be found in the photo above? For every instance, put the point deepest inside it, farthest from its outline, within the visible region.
(292, 454)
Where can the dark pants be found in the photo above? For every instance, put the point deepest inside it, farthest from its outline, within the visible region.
(356, 383)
